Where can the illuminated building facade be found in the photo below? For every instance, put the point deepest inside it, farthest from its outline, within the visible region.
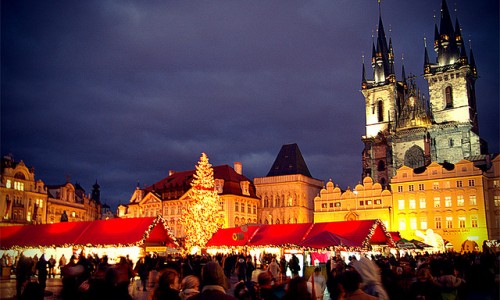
(237, 198)
(25, 200)
(287, 192)
(368, 201)
(405, 129)
(442, 200)
(492, 194)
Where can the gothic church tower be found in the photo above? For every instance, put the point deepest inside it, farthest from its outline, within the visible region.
(402, 127)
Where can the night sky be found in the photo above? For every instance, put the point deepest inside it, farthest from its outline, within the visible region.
(123, 91)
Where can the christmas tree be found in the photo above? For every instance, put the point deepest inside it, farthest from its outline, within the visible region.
(200, 216)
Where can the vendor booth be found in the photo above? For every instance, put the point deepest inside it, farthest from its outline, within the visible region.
(113, 237)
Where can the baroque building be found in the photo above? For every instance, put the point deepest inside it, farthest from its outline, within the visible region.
(237, 198)
(445, 201)
(368, 201)
(405, 129)
(25, 200)
(287, 192)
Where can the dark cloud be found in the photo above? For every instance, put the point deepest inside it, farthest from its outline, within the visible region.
(123, 91)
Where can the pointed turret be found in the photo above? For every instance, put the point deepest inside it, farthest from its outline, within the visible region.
(427, 64)
(289, 161)
(448, 50)
(363, 79)
(473, 64)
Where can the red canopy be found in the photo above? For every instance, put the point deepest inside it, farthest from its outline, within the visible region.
(280, 234)
(235, 236)
(129, 232)
(326, 239)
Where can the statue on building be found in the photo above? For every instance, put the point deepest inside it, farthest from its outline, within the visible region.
(64, 217)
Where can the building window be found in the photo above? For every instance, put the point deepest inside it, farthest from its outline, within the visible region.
(378, 201)
(437, 202)
(338, 204)
(381, 166)
(411, 188)
(421, 187)
(423, 203)
(361, 203)
(449, 222)
(380, 111)
(18, 186)
(249, 209)
(447, 201)
(473, 221)
(448, 92)
(472, 182)
(451, 143)
(401, 204)
(324, 205)
(423, 223)
(497, 200)
(412, 204)
(435, 185)
(400, 188)
(255, 209)
(472, 200)
(460, 200)
(459, 183)
(413, 223)
(221, 205)
(236, 206)
(461, 222)
(242, 207)
(402, 224)
(331, 205)
(496, 183)
(8, 184)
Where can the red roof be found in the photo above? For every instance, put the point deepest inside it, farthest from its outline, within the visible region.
(232, 236)
(132, 231)
(319, 235)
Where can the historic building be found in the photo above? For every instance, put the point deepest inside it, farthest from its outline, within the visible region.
(25, 200)
(237, 198)
(444, 201)
(492, 195)
(368, 201)
(287, 192)
(405, 129)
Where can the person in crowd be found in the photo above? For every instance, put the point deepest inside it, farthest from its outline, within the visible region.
(23, 272)
(370, 274)
(297, 289)
(318, 282)
(249, 268)
(274, 268)
(268, 290)
(283, 268)
(141, 269)
(169, 285)
(62, 263)
(124, 273)
(241, 291)
(190, 286)
(350, 281)
(447, 281)
(41, 268)
(241, 268)
(424, 287)
(294, 265)
(214, 283)
(52, 267)
(71, 278)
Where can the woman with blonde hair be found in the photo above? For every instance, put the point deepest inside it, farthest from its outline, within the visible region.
(190, 286)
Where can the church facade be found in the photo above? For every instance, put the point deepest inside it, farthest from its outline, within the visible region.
(403, 128)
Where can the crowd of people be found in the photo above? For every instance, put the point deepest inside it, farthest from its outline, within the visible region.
(443, 276)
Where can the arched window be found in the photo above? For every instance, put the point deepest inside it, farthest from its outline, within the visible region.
(380, 111)
(381, 166)
(448, 94)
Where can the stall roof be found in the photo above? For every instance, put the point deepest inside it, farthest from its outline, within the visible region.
(314, 235)
(126, 232)
(229, 237)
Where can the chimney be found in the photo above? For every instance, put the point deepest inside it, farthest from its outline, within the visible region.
(171, 172)
(238, 167)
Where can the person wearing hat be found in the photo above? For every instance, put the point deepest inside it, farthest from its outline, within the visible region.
(214, 283)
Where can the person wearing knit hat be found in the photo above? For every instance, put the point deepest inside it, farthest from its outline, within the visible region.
(190, 286)
(214, 283)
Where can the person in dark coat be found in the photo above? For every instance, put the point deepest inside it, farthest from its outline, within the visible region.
(41, 268)
(214, 283)
(23, 272)
(169, 285)
(142, 270)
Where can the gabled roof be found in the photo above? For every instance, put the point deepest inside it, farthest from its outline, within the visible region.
(181, 182)
(289, 161)
(124, 232)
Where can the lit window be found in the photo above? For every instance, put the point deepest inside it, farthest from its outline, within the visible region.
(497, 200)
(459, 183)
(402, 224)
(369, 202)
(435, 185)
(473, 221)
(324, 205)
(413, 223)
(8, 184)
(472, 200)
(449, 222)
(378, 201)
(423, 223)
(447, 201)
(73, 214)
(401, 204)
(496, 183)
(412, 204)
(461, 222)
(460, 200)
(423, 203)
(437, 202)
(338, 204)
(472, 182)
(420, 186)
